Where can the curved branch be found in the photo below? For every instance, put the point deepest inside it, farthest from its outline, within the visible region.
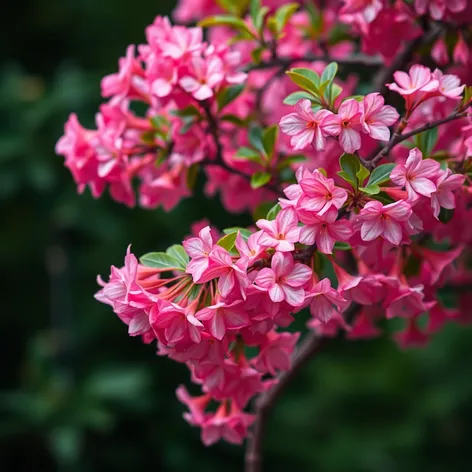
(398, 138)
(312, 344)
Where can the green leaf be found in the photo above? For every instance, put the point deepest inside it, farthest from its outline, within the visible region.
(236, 7)
(159, 121)
(273, 212)
(227, 241)
(380, 174)
(426, 141)
(259, 179)
(255, 138)
(341, 246)
(329, 72)
(383, 198)
(245, 233)
(189, 110)
(334, 91)
(235, 120)
(307, 79)
(256, 54)
(248, 154)
(177, 251)
(371, 189)
(283, 15)
(362, 174)
(269, 139)
(192, 175)
(161, 260)
(295, 97)
(289, 160)
(227, 95)
(350, 166)
(227, 20)
(445, 215)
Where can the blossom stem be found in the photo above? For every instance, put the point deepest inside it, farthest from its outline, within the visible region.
(312, 344)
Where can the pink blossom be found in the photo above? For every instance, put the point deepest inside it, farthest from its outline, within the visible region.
(319, 193)
(417, 175)
(173, 323)
(179, 42)
(438, 8)
(276, 352)
(284, 280)
(461, 52)
(346, 125)
(221, 317)
(368, 8)
(377, 117)
(281, 233)
(305, 126)
(251, 249)
(439, 52)
(447, 183)
(438, 261)
(386, 221)
(207, 74)
(325, 301)
(449, 85)
(415, 85)
(324, 230)
(199, 250)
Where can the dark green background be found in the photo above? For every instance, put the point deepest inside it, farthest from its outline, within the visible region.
(77, 394)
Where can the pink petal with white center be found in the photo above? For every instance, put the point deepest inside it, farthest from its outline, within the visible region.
(423, 186)
(379, 132)
(371, 229)
(302, 140)
(325, 241)
(217, 326)
(293, 296)
(203, 93)
(299, 275)
(292, 124)
(276, 293)
(265, 278)
(189, 84)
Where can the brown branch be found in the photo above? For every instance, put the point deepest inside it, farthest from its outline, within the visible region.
(220, 162)
(265, 402)
(353, 60)
(398, 138)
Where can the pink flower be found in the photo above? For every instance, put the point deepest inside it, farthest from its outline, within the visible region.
(325, 301)
(251, 249)
(446, 184)
(368, 8)
(439, 52)
(179, 42)
(284, 280)
(173, 323)
(460, 54)
(377, 117)
(417, 175)
(386, 221)
(346, 125)
(415, 85)
(438, 8)
(221, 317)
(449, 85)
(199, 250)
(276, 352)
(319, 193)
(281, 233)
(324, 230)
(305, 126)
(207, 75)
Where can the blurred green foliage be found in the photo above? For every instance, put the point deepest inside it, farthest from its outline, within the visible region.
(77, 394)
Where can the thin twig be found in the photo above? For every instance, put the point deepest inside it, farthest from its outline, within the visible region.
(398, 138)
(264, 404)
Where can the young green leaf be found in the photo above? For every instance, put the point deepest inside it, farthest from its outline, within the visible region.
(426, 141)
(227, 20)
(259, 179)
(161, 260)
(362, 174)
(380, 174)
(227, 241)
(248, 154)
(255, 138)
(350, 166)
(245, 233)
(269, 139)
(371, 189)
(307, 79)
(329, 72)
(283, 15)
(295, 97)
(177, 251)
(273, 212)
(227, 95)
(341, 246)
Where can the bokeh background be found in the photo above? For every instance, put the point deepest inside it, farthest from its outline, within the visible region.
(77, 394)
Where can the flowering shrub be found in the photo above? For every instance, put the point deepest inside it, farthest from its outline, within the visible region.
(360, 201)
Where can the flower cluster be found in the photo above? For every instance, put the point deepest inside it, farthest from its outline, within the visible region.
(360, 203)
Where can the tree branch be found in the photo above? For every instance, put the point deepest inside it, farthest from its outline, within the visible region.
(265, 402)
(398, 138)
